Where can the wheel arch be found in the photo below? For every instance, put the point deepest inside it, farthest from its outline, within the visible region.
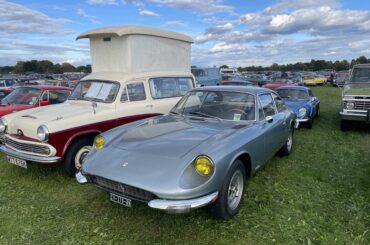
(85, 134)
(246, 159)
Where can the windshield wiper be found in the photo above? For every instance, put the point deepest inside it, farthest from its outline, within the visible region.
(202, 114)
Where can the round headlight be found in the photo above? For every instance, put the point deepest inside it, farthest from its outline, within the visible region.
(3, 125)
(203, 165)
(302, 112)
(99, 142)
(350, 105)
(43, 133)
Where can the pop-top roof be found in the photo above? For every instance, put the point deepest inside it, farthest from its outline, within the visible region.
(138, 30)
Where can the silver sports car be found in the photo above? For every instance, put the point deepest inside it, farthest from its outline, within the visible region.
(200, 154)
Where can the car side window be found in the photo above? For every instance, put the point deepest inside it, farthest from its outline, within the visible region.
(133, 92)
(58, 96)
(267, 104)
(45, 96)
(279, 103)
(310, 93)
(260, 111)
(167, 87)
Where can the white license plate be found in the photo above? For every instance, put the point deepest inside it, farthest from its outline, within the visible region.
(19, 162)
(120, 200)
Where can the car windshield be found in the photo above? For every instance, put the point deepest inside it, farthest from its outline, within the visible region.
(22, 96)
(91, 90)
(224, 105)
(360, 75)
(235, 83)
(293, 94)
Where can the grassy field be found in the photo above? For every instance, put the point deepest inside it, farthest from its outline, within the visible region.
(320, 194)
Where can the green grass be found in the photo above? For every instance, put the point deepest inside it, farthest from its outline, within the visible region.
(320, 194)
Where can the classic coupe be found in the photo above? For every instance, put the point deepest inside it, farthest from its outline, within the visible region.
(200, 154)
(302, 102)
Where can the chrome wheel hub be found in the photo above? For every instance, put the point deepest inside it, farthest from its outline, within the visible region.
(235, 190)
(80, 156)
(289, 142)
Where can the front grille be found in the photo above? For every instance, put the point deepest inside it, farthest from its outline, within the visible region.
(122, 189)
(27, 147)
(362, 105)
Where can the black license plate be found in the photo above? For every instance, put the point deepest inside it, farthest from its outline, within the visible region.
(120, 200)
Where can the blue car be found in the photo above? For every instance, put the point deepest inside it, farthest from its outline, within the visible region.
(302, 102)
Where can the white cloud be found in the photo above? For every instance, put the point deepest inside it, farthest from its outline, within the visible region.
(214, 33)
(102, 2)
(200, 6)
(146, 12)
(15, 18)
(176, 23)
(92, 18)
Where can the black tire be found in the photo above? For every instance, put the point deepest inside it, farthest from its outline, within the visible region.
(345, 125)
(317, 111)
(220, 209)
(69, 161)
(286, 149)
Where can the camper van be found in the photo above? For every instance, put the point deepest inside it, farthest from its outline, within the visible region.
(137, 72)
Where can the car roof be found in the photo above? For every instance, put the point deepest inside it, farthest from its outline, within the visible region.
(253, 90)
(45, 87)
(295, 87)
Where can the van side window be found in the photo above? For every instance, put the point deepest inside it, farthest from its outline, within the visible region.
(133, 92)
(267, 104)
(167, 87)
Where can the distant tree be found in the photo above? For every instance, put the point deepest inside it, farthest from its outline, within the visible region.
(44, 66)
(66, 67)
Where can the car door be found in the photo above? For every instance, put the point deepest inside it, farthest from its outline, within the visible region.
(283, 116)
(314, 102)
(270, 125)
(133, 104)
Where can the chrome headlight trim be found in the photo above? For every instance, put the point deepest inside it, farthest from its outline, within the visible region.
(350, 105)
(302, 112)
(43, 133)
(3, 125)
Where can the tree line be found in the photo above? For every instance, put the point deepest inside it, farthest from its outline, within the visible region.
(313, 65)
(43, 67)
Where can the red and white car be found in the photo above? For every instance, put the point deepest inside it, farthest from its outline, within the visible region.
(121, 88)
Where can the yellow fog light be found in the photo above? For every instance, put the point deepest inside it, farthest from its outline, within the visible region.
(99, 142)
(203, 165)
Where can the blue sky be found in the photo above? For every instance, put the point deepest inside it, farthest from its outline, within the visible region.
(236, 33)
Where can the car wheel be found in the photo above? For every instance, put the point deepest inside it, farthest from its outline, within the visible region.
(318, 111)
(75, 155)
(287, 148)
(231, 195)
(345, 125)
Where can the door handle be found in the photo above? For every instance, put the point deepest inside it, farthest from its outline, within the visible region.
(149, 106)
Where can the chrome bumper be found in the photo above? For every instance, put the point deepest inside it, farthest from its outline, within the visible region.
(298, 121)
(28, 157)
(182, 206)
(355, 116)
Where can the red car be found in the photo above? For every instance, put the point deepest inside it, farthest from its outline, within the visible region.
(279, 82)
(23, 98)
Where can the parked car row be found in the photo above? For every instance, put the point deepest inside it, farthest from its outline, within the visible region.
(148, 134)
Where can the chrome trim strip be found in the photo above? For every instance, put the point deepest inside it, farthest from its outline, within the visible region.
(180, 206)
(27, 157)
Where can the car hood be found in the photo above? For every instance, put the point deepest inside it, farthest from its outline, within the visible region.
(295, 105)
(172, 136)
(57, 117)
(6, 109)
(357, 89)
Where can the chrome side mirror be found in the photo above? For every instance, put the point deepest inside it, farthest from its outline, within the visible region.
(269, 119)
